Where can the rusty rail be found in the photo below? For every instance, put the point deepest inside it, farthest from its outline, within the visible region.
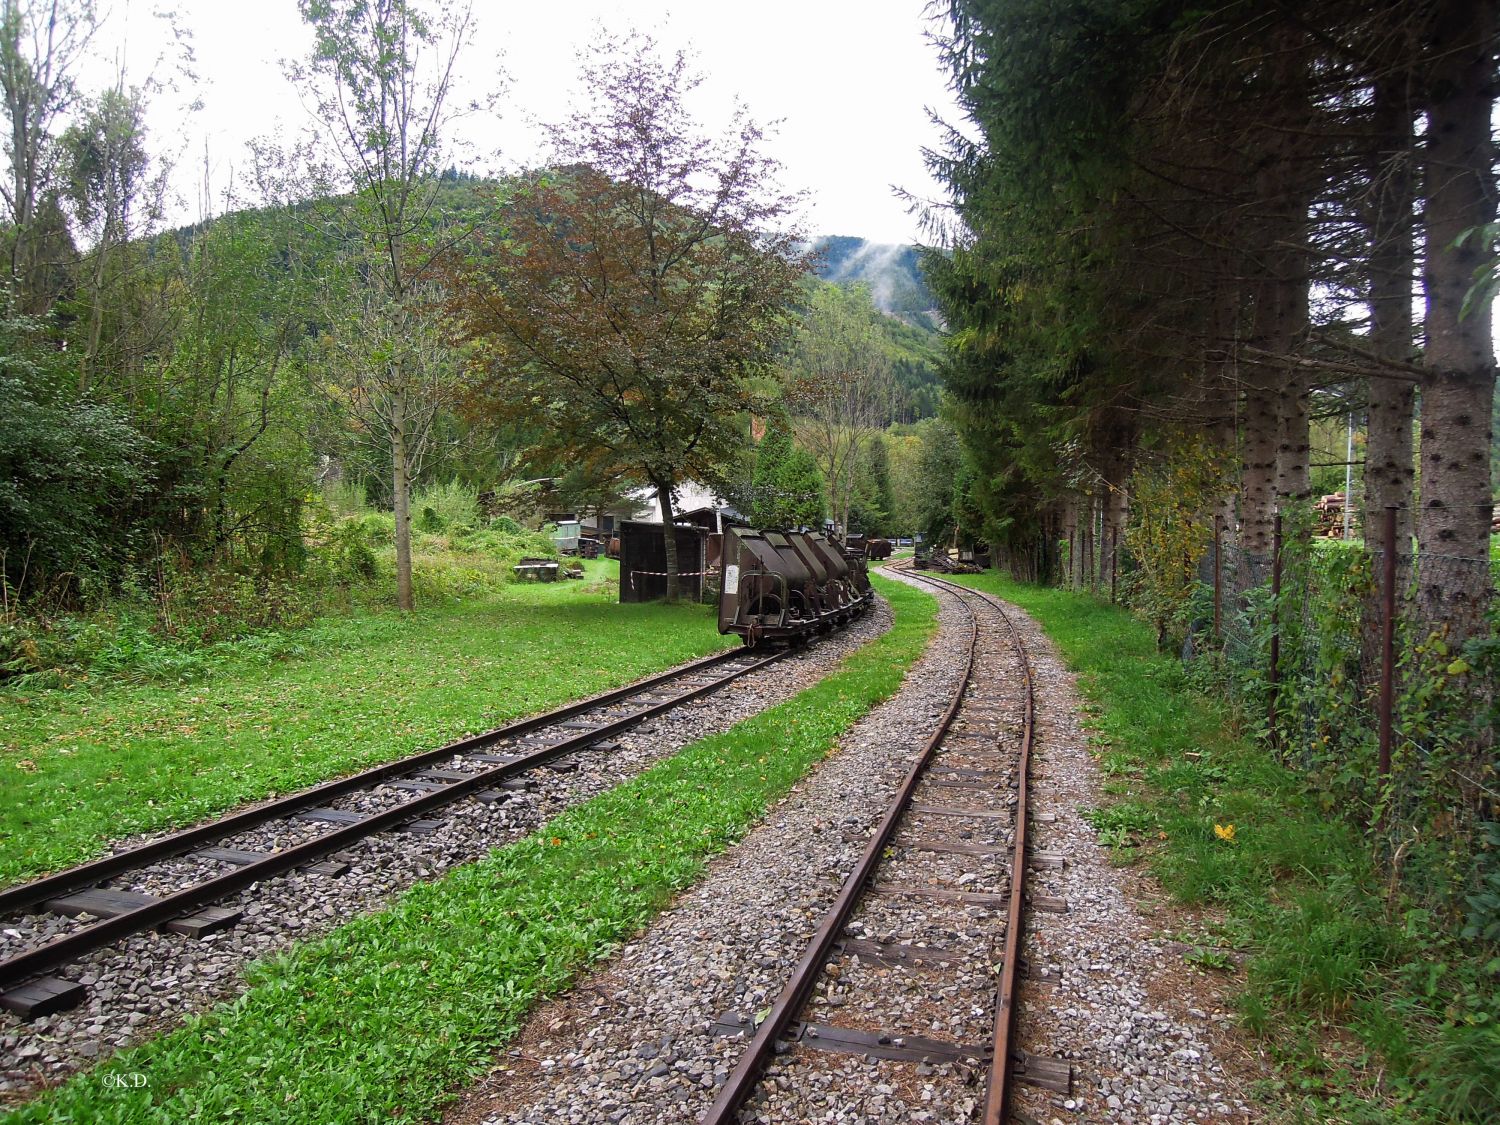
(746, 1074)
(997, 1088)
(60, 951)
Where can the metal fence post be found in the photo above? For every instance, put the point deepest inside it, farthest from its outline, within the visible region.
(1273, 678)
(1218, 579)
(1114, 561)
(1387, 643)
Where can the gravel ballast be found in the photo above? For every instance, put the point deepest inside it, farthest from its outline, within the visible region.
(634, 1042)
(147, 983)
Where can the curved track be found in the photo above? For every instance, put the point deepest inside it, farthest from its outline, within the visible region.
(946, 763)
(407, 790)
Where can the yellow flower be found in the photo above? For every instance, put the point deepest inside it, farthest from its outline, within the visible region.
(1224, 831)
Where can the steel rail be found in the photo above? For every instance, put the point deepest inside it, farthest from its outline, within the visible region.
(997, 1086)
(746, 1074)
(22, 895)
(60, 951)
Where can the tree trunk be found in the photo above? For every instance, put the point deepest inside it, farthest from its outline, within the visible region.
(1389, 471)
(669, 535)
(1292, 439)
(1457, 395)
(401, 498)
(1258, 460)
(849, 488)
(1276, 438)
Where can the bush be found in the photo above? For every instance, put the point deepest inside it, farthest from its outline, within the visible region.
(507, 547)
(450, 507)
(378, 528)
(348, 556)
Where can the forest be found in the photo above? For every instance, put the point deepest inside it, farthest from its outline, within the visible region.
(1201, 267)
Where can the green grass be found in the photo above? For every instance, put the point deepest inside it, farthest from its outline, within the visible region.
(81, 767)
(380, 1020)
(1371, 1014)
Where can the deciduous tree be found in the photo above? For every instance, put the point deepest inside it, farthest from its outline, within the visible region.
(836, 382)
(640, 285)
(379, 84)
(41, 45)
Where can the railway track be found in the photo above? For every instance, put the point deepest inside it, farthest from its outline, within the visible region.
(189, 871)
(954, 838)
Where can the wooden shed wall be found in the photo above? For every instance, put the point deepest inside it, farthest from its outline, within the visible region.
(643, 561)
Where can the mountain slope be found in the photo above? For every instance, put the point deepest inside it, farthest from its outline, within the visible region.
(892, 273)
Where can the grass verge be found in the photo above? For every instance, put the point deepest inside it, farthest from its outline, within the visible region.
(1368, 1011)
(80, 768)
(384, 1016)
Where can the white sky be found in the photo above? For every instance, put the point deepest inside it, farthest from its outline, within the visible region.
(849, 80)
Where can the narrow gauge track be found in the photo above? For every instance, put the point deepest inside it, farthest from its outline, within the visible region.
(957, 760)
(409, 789)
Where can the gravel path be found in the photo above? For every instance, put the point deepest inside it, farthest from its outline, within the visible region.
(146, 984)
(634, 1043)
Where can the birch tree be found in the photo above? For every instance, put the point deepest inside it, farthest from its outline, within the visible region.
(379, 84)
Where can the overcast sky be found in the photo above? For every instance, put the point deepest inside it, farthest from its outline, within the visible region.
(850, 81)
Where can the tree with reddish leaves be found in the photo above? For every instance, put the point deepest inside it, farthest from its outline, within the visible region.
(640, 285)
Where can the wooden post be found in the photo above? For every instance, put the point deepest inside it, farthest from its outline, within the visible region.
(1218, 579)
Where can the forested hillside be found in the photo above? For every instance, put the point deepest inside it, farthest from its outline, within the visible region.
(892, 273)
(297, 400)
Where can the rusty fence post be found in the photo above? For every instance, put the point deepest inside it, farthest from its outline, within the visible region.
(1218, 580)
(1387, 644)
(1114, 562)
(1274, 677)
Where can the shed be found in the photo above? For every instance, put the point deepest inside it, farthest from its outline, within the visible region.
(643, 561)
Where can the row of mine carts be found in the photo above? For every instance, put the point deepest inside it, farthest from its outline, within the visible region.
(788, 585)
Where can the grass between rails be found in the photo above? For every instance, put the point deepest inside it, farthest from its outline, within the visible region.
(1370, 1013)
(79, 767)
(380, 1019)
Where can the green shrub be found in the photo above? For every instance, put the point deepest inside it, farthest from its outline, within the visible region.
(506, 548)
(348, 554)
(449, 507)
(379, 528)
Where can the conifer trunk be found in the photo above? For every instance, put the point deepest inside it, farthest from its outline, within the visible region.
(1453, 524)
(1276, 402)
(1389, 471)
